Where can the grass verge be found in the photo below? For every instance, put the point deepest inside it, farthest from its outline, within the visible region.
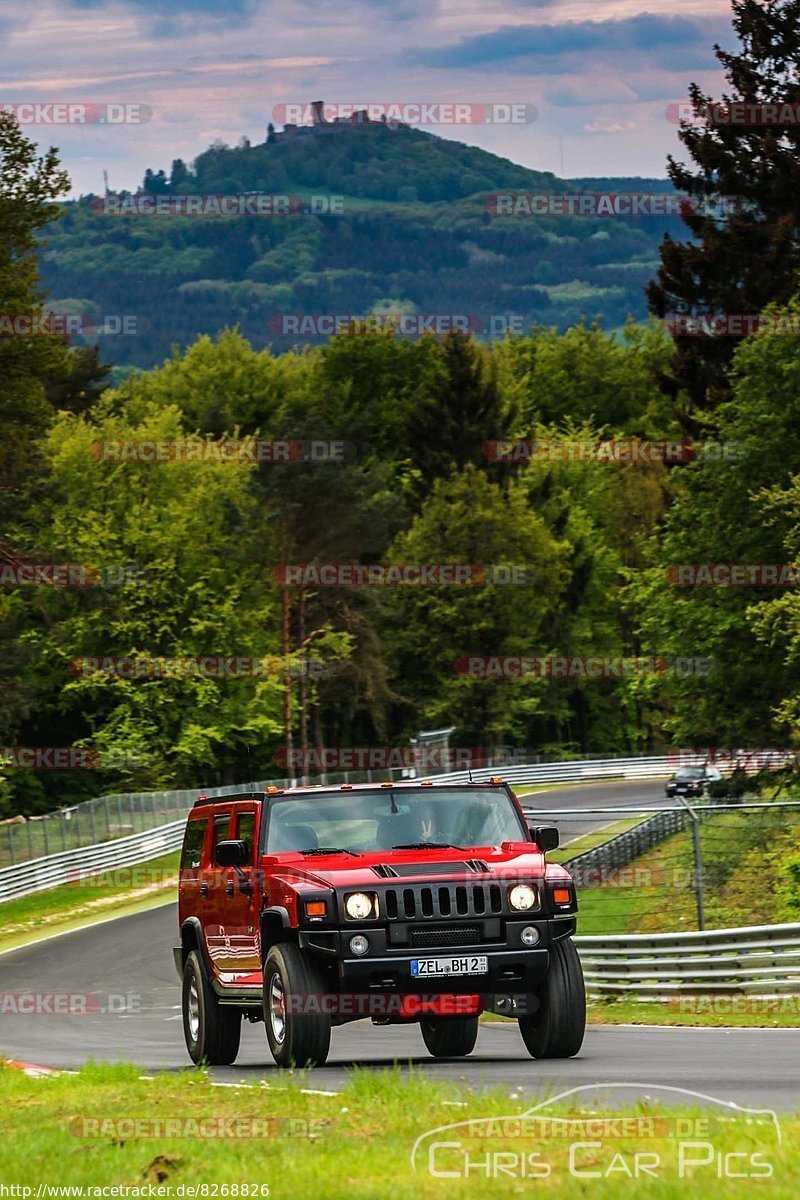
(708, 1011)
(701, 1011)
(108, 1126)
(120, 891)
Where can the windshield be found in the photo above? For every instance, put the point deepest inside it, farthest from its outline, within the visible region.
(690, 773)
(382, 819)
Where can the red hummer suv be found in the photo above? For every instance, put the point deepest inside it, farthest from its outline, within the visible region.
(410, 902)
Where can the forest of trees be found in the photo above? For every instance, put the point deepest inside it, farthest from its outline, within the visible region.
(196, 544)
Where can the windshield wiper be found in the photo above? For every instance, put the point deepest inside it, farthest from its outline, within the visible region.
(331, 850)
(428, 846)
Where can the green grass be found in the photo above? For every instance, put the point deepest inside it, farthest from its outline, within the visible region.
(123, 890)
(704, 1011)
(708, 1011)
(358, 1143)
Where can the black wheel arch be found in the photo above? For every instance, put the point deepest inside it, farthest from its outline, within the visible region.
(275, 927)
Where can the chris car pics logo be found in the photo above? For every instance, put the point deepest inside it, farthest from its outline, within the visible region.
(704, 1140)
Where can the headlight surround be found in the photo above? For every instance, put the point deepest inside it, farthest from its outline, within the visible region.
(523, 897)
(359, 906)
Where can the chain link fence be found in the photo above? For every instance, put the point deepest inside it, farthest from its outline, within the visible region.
(655, 870)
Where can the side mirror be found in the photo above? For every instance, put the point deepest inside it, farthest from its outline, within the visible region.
(232, 854)
(545, 836)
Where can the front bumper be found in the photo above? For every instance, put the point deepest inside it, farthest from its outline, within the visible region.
(513, 967)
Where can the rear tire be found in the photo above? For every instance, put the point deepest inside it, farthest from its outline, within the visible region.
(556, 1029)
(449, 1037)
(296, 1038)
(212, 1031)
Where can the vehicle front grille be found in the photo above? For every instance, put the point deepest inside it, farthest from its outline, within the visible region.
(453, 935)
(445, 900)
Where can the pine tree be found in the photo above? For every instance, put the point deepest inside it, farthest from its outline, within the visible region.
(460, 411)
(28, 186)
(747, 254)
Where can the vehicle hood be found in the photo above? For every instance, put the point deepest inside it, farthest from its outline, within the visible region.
(476, 865)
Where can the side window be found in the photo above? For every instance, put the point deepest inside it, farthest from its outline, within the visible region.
(193, 839)
(219, 833)
(245, 830)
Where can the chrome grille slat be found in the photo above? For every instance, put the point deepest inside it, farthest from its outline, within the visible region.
(446, 900)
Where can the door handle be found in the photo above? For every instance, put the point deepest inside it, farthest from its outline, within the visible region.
(204, 888)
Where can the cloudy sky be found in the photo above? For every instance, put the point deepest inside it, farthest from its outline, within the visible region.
(600, 75)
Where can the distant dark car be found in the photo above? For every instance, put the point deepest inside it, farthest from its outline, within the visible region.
(692, 781)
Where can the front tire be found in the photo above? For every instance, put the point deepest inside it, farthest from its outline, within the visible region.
(449, 1037)
(212, 1032)
(291, 983)
(556, 1029)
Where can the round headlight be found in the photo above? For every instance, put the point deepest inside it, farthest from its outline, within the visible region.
(530, 935)
(359, 906)
(359, 944)
(522, 897)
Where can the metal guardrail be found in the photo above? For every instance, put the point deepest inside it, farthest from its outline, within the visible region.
(573, 771)
(67, 867)
(618, 851)
(755, 960)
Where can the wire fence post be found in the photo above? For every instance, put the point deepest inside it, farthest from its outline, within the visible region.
(698, 864)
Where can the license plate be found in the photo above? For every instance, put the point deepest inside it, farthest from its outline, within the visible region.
(428, 968)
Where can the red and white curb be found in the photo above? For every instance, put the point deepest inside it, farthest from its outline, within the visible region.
(33, 1069)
